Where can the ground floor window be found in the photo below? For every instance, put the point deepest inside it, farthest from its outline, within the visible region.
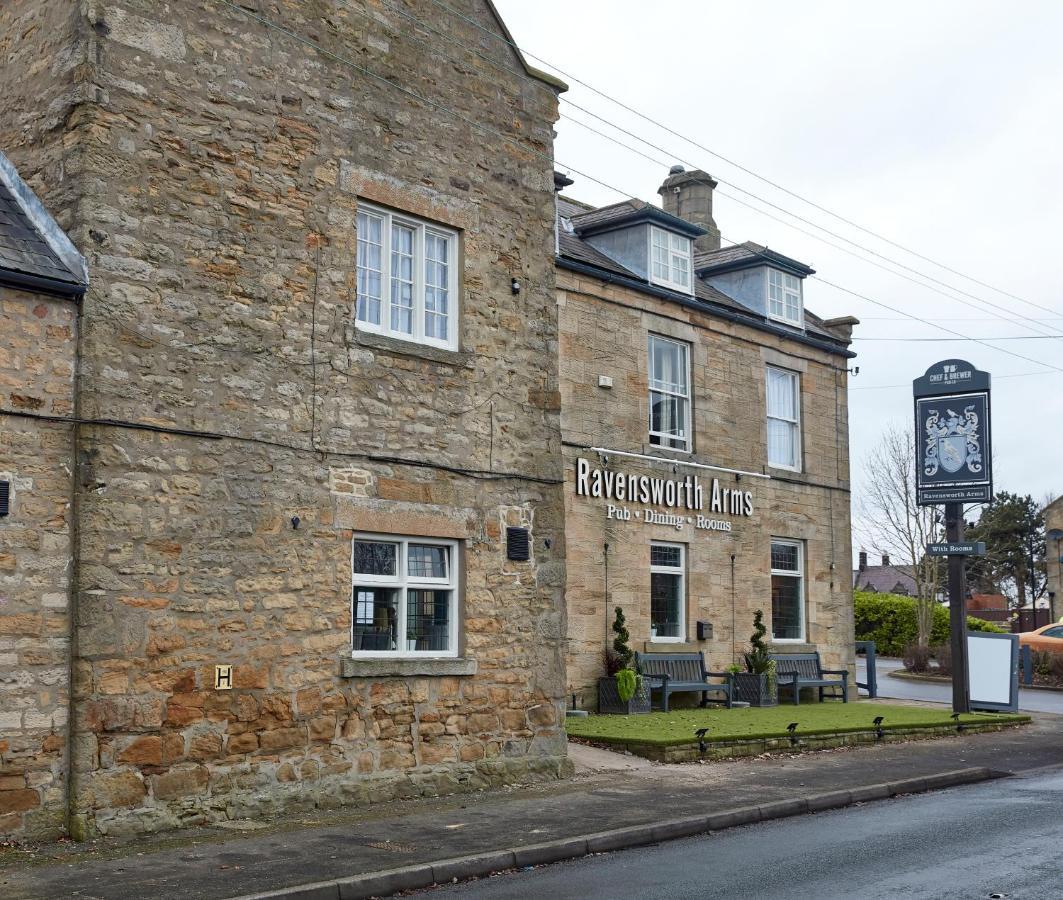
(405, 596)
(667, 592)
(787, 591)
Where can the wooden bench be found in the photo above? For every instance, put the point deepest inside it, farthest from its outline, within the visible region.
(798, 670)
(674, 673)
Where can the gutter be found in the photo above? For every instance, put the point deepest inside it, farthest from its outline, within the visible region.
(34, 283)
(721, 312)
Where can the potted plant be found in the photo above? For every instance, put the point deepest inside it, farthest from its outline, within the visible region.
(758, 685)
(622, 691)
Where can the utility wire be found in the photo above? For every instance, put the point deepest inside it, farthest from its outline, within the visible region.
(731, 162)
(908, 385)
(1021, 337)
(512, 71)
(528, 149)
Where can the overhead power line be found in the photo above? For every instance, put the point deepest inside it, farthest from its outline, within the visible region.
(487, 129)
(731, 162)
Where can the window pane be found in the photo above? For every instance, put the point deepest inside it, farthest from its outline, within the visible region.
(428, 620)
(436, 293)
(786, 607)
(665, 556)
(782, 443)
(668, 366)
(370, 258)
(375, 618)
(666, 599)
(781, 394)
(427, 561)
(375, 558)
(668, 416)
(402, 241)
(785, 557)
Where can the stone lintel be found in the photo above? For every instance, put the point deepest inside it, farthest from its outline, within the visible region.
(405, 668)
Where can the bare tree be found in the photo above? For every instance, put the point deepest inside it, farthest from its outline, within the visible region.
(893, 524)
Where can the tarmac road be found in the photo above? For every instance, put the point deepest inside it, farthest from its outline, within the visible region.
(895, 688)
(999, 838)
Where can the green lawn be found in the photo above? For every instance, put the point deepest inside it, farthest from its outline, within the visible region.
(678, 726)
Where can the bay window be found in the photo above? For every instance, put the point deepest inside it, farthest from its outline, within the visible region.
(407, 278)
(404, 596)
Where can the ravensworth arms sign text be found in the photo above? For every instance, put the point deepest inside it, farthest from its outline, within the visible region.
(686, 494)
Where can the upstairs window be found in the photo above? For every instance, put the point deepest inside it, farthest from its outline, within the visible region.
(784, 298)
(670, 260)
(407, 278)
(669, 394)
(784, 419)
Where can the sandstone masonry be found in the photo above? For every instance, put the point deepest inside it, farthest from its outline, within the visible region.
(241, 428)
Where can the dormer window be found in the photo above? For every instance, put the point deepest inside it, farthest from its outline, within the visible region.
(784, 298)
(670, 260)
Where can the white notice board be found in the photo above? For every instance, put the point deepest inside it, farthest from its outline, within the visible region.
(993, 671)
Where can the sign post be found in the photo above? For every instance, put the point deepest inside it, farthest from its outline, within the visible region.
(954, 467)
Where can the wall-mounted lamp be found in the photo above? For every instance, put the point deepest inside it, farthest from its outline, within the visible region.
(514, 285)
(855, 370)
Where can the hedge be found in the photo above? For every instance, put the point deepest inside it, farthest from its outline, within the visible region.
(889, 620)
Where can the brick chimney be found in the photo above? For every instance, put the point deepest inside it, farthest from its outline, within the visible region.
(885, 559)
(863, 560)
(688, 195)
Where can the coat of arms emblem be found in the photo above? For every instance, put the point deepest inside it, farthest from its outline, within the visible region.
(952, 442)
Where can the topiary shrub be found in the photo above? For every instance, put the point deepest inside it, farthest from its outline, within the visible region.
(620, 646)
(627, 682)
(890, 621)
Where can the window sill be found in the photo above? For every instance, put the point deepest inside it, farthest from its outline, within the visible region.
(411, 348)
(353, 667)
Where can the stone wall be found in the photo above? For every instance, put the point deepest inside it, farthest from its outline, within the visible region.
(211, 173)
(36, 459)
(1054, 522)
(604, 331)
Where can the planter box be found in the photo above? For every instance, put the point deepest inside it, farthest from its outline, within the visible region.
(755, 689)
(609, 702)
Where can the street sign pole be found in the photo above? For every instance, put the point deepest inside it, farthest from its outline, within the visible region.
(961, 701)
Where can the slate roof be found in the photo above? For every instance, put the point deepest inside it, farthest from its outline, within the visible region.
(580, 217)
(606, 217)
(34, 252)
(747, 254)
(885, 579)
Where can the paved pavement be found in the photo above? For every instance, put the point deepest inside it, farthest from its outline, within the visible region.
(896, 688)
(998, 838)
(610, 792)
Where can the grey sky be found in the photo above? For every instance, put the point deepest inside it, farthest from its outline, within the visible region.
(937, 125)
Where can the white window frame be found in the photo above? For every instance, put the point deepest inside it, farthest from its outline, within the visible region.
(795, 423)
(686, 398)
(790, 288)
(684, 252)
(420, 228)
(799, 575)
(403, 582)
(681, 571)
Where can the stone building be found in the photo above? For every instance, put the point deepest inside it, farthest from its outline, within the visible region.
(42, 278)
(316, 559)
(703, 416)
(1053, 513)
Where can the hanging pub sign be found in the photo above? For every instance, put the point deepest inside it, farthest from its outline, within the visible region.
(952, 438)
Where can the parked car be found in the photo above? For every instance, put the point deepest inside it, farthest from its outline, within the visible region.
(1047, 637)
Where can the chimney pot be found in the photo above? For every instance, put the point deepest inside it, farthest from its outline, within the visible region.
(688, 195)
(863, 560)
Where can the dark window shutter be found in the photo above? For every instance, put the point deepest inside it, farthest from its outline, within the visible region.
(5, 498)
(518, 544)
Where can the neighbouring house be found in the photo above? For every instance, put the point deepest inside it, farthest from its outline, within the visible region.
(884, 579)
(703, 416)
(990, 607)
(42, 281)
(310, 528)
